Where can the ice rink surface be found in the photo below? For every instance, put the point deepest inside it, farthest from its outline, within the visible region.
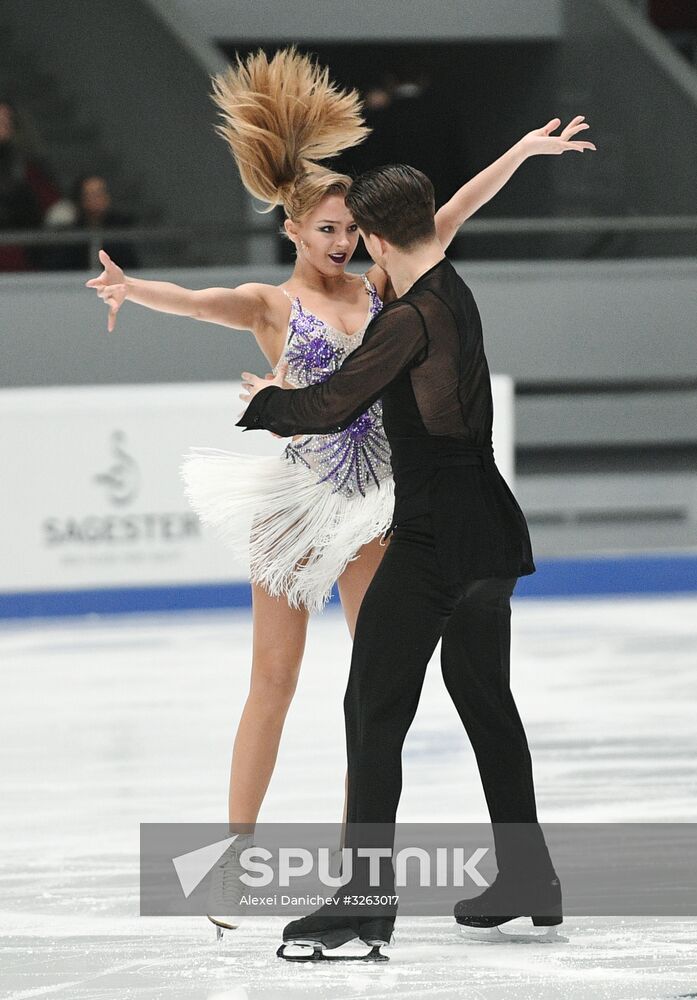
(108, 723)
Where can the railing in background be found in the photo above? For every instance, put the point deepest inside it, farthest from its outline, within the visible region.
(577, 237)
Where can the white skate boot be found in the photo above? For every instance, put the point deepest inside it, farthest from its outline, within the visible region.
(226, 889)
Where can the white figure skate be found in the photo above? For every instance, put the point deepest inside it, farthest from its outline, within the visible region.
(226, 890)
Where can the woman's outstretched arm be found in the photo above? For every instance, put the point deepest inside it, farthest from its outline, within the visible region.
(243, 308)
(482, 188)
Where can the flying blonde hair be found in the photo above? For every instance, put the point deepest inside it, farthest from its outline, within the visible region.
(279, 117)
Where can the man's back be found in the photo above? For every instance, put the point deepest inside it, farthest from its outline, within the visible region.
(438, 419)
(450, 380)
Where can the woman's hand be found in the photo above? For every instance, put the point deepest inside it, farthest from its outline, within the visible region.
(541, 140)
(286, 385)
(110, 286)
(252, 384)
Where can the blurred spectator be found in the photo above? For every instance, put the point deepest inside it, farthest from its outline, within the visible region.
(678, 14)
(411, 123)
(26, 190)
(409, 109)
(678, 19)
(90, 209)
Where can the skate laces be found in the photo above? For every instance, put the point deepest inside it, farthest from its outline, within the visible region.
(231, 869)
(227, 888)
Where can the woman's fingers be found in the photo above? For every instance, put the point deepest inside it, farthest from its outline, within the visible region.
(575, 121)
(573, 125)
(111, 291)
(111, 322)
(112, 295)
(544, 141)
(550, 126)
(569, 130)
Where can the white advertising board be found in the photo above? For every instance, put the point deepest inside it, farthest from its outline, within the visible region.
(91, 495)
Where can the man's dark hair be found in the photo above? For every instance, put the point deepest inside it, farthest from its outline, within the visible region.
(395, 202)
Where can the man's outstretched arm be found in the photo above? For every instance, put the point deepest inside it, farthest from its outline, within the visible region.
(394, 341)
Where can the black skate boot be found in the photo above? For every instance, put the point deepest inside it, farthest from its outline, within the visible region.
(308, 939)
(508, 898)
(376, 931)
(376, 923)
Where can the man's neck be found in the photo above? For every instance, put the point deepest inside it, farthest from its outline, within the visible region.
(406, 268)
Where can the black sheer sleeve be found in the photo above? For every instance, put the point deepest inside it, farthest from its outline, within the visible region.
(394, 342)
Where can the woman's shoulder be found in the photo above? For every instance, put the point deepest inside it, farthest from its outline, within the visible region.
(379, 280)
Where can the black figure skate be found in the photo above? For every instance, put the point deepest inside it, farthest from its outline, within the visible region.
(540, 900)
(308, 939)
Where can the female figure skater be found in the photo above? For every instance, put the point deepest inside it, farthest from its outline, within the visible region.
(318, 511)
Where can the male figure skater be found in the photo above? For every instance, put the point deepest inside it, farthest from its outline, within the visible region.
(459, 543)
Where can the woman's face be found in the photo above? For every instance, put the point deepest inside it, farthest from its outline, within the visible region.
(329, 235)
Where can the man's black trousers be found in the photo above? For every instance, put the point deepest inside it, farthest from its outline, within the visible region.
(407, 608)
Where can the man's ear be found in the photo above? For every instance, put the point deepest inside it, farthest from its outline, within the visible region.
(384, 245)
(369, 239)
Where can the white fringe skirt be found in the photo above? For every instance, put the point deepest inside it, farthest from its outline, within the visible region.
(297, 534)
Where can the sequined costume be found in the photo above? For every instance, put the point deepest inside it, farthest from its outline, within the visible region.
(300, 517)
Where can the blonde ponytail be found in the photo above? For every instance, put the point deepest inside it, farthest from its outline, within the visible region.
(279, 117)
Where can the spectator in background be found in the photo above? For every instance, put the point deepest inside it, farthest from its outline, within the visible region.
(91, 209)
(678, 14)
(26, 190)
(678, 19)
(411, 123)
(94, 211)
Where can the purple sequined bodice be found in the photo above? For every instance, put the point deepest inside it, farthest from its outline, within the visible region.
(354, 459)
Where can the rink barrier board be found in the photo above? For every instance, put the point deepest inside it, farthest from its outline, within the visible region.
(555, 578)
(98, 518)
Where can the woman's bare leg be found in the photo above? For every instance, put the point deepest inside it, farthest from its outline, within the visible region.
(279, 633)
(355, 579)
(352, 585)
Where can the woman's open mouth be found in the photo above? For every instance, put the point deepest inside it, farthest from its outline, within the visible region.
(338, 258)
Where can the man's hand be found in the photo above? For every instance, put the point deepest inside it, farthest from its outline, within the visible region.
(541, 140)
(252, 384)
